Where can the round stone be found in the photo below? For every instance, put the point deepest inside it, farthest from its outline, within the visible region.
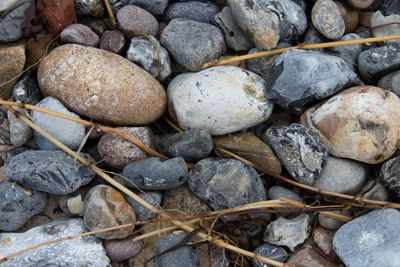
(79, 34)
(326, 17)
(134, 21)
(122, 249)
(360, 4)
(113, 41)
(350, 16)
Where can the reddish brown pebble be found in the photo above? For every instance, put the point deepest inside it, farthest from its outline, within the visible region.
(323, 239)
(79, 34)
(113, 41)
(58, 14)
(311, 258)
(133, 21)
(121, 249)
(349, 15)
(360, 4)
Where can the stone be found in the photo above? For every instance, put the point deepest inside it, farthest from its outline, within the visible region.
(348, 52)
(267, 250)
(375, 191)
(154, 174)
(201, 11)
(326, 18)
(37, 48)
(226, 183)
(71, 204)
(360, 4)
(309, 257)
(6, 6)
(122, 249)
(20, 132)
(182, 257)
(142, 52)
(378, 19)
(288, 232)
(18, 205)
(365, 19)
(297, 78)
(329, 222)
(391, 82)
(84, 251)
(105, 207)
(113, 41)
(192, 145)
(389, 174)
(10, 26)
(258, 21)
(79, 34)
(134, 21)
(349, 15)
(342, 176)
(116, 90)
(26, 90)
(97, 25)
(182, 36)
(12, 61)
(68, 132)
(155, 7)
(51, 171)
(234, 37)
(117, 152)
(92, 8)
(299, 150)
(143, 213)
(388, 7)
(370, 240)
(219, 100)
(58, 14)
(323, 239)
(312, 36)
(360, 123)
(275, 192)
(116, 5)
(248, 146)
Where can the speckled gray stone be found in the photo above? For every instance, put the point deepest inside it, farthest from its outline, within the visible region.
(271, 251)
(201, 11)
(27, 90)
(391, 82)
(143, 213)
(92, 8)
(20, 132)
(390, 174)
(326, 17)
(10, 26)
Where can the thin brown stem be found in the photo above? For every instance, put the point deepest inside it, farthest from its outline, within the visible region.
(110, 13)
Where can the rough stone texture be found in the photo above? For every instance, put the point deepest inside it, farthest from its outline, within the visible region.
(349, 15)
(84, 251)
(348, 52)
(326, 17)
(51, 171)
(299, 150)
(182, 36)
(132, 20)
(116, 90)
(378, 19)
(58, 14)
(201, 11)
(26, 90)
(370, 240)
(275, 192)
(391, 82)
(113, 41)
(92, 8)
(142, 52)
(18, 205)
(219, 100)
(288, 232)
(323, 239)
(154, 174)
(20, 132)
(309, 257)
(79, 34)
(67, 132)
(10, 26)
(361, 123)
(122, 249)
(143, 213)
(105, 207)
(267, 250)
(192, 145)
(360, 4)
(390, 175)
(299, 77)
(155, 7)
(117, 152)
(329, 222)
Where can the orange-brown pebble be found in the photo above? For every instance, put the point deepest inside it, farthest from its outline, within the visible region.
(360, 4)
(349, 15)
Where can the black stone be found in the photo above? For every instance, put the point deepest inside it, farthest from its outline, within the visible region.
(390, 174)
(27, 90)
(269, 251)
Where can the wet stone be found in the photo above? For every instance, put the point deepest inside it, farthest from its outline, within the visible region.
(323, 239)
(390, 175)
(391, 82)
(122, 249)
(267, 250)
(143, 213)
(132, 20)
(92, 8)
(79, 34)
(20, 132)
(309, 257)
(348, 52)
(201, 11)
(156, 7)
(113, 41)
(26, 90)
(10, 26)
(326, 17)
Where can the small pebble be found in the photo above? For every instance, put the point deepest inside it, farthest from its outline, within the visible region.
(122, 249)
(71, 204)
(20, 132)
(309, 257)
(360, 4)
(378, 19)
(133, 20)
(275, 192)
(375, 191)
(92, 8)
(329, 222)
(350, 15)
(79, 34)
(201, 11)
(143, 213)
(113, 41)
(391, 82)
(326, 17)
(267, 250)
(323, 239)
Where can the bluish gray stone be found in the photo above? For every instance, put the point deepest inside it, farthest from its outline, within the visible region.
(348, 52)
(83, 251)
(27, 90)
(142, 213)
(390, 174)
(328, 222)
(7, 6)
(51, 171)
(370, 240)
(18, 205)
(155, 7)
(10, 26)
(154, 174)
(201, 11)
(20, 132)
(313, 36)
(271, 251)
(92, 8)
(391, 82)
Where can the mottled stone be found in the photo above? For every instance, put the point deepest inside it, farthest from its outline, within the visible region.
(58, 14)
(117, 152)
(182, 36)
(113, 41)
(105, 207)
(51, 171)
(122, 249)
(201, 11)
(348, 52)
(350, 15)
(329, 222)
(79, 34)
(92, 8)
(309, 257)
(360, 4)
(18, 205)
(323, 239)
(155, 7)
(20, 132)
(378, 19)
(134, 21)
(267, 250)
(361, 123)
(390, 175)
(71, 204)
(10, 26)
(326, 17)
(26, 90)
(143, 213)
(391, 82)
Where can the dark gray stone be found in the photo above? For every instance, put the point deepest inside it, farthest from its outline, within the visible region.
(299, 77)
(155, 7)
(268, 250)
(390, 174)
(370, 240)
(348, 52)
(375, 191)
(389, 7)
(18, 205)
(299, 149)
(51, 171)
(201, 11)
(92, 8)
(312, 36)
(182, 36)
(96, 24)
(142, 213)
(153, 174)
(192, 145)
(79, 34)
(27, 90)
(10, 26)
(365, 33)
(391, 82)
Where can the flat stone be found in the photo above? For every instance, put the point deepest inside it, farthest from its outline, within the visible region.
(84, 251)
(310, 257)
(10, 26)
(51, 171)
(26, 90)
(370, 240)
(143, 213)
(134, 21)
(268, 250)
(117, 91)
(329, 222)
(79, 34)
(323, 239)
(122, 249)
(391, 82)
(219, 100)
(18, 205)
(360, 123)
(113, 41)
(92, 8)
(156, 7)
(20, 132)
(378, 19)
(105, 207)
(182, 36)
(58, 14)
(201, 11)
(390, 175)
(349, 53)
(326, 17)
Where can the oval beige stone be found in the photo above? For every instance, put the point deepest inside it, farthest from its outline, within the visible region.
(101, 85)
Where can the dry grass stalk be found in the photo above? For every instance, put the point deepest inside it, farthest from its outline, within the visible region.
(110, 13)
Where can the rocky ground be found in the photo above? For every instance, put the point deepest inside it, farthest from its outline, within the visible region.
(326, 118)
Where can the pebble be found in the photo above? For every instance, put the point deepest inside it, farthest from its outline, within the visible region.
(134, 21)
(142, 52)
(154, 7)
(288, 232)
(326, 17)
(389, 174)
(10, 26)
(95, 24)
(26, 90)
(329, 222)
(20, 132)
(79, 34)
(68, 132)
(275, 192)
(378, 19)
(323, 239)
(154, 174)
(84, 251)
(299, 150)
(192, 145)
(226, 183)
(267, 250)
(375, 191)
(360, 123)
(105, 207)
(143, 213)
(360, 4)
(122, 249)
(309, 257)
(58, 14)
(117, 152)
(126, 95)
(220, 100)
(201, 11)
(391, 82)
(71, 204)
(349, 53)
(370, 240)
(18, 205)
(389, 7)
(9, 5)
(113, 41)
(51, 171)
(182, 36)
(349, 15)
(92, 8)
(299, 77)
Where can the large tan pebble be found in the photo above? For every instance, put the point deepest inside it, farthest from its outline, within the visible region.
(101, 85)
